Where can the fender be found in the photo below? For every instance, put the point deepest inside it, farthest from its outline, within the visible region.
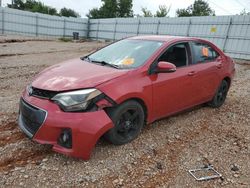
(136, 87)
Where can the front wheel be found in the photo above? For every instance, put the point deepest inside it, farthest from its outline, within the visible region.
(128, 119)
(220, 95)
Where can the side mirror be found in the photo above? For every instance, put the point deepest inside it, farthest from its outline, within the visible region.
(165, 67)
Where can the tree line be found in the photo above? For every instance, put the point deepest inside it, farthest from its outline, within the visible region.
(118, 8)
(37, 6)
(123, 8)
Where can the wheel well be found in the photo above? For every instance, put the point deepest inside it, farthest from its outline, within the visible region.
(140, 101)
(228, 80)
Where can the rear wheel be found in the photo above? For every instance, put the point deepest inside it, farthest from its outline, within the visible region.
(128, 119)
(220, 95)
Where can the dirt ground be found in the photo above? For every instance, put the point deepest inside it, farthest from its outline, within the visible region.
(160, 157)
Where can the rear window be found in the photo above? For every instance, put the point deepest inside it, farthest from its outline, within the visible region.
(203, 53)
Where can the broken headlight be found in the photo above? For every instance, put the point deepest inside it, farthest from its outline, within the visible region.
(75, 101)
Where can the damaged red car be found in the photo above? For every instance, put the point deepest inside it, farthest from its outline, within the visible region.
(115, 91)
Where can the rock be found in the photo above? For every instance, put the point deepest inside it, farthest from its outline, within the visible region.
(81, 181)
(235, 168)
(230, 180)
(205, 156)
(177, 136)
(17, 168)
(154, 152)
(116, 181)
(159, 166)
(220, 181)
(26, 176)
(170, 141)
(6, 173)
(236, 175)
(45, 160)
(224, 182)
(21, 183)
(120, 182)
(22, 171)
(22, 162)
(93, 179)
(134, 163)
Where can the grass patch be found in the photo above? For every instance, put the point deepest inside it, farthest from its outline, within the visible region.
(63, 39)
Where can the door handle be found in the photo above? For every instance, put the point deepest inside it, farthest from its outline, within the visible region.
(219, 65)
(192, 73)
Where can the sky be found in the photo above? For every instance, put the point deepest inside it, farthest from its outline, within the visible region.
(221, 7)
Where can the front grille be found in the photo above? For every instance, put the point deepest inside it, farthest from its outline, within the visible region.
(42, 93)
(30, 118)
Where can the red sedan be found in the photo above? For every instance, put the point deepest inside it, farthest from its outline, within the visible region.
(114, 91)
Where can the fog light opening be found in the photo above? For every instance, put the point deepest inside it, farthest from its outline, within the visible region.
(65, 138)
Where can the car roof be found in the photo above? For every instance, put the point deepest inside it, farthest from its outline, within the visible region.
(162, 38)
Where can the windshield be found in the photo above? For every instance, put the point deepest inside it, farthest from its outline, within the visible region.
(126, 53)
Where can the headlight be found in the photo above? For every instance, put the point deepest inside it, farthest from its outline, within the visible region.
(76, 100)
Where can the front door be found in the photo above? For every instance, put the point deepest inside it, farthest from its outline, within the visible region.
(173, 92)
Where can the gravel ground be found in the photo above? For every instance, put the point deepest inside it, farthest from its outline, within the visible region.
(160, 157)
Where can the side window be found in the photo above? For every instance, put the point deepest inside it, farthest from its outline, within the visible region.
(203, 53)
(176, 54)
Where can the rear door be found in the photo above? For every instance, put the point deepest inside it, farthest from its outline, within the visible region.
(206, 66)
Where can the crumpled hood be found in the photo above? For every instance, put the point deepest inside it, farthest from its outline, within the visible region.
(75, 74)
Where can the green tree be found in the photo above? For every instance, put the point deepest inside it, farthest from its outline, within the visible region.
(184, 12)
(199, 8)
(244, 13)
(108, 9)
(124, 8)
(37, 6)
(33, 6)
(163, 11)
(94, 13)
(146, 12)
(17, 4)
(112, 9)
(68, 13)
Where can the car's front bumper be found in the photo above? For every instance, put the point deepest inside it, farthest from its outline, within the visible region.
(86, 127)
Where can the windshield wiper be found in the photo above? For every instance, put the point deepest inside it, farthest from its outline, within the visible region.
(104, 63)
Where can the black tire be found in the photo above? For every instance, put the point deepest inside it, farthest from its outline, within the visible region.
(128, 119)
(220, 95)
